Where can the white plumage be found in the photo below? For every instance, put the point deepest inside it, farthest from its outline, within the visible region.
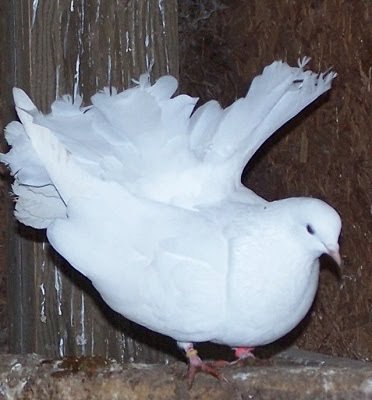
(145, 199)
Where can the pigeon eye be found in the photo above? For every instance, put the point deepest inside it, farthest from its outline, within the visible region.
(310, 229)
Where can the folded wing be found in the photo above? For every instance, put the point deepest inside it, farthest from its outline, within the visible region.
(137, 252)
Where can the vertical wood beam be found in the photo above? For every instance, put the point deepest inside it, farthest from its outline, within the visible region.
(77, 47)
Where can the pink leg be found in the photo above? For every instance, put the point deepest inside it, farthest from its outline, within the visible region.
(242, 353)
(197, 365)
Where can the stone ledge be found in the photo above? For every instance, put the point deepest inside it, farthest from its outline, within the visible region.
(292, 375)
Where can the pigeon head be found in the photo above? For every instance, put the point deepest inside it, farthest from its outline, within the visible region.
(317, 223)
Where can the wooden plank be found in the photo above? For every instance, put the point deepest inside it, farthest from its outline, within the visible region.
(78, 47)
(304, 376)
(12, 66)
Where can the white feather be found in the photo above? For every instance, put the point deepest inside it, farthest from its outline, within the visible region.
(146, 141)
(145, 199)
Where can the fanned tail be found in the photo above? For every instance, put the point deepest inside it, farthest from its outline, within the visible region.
(69, 179)
(149, 142)
(37, 201)
(121, 137)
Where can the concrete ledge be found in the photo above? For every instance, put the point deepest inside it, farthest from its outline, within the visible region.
(292, 375)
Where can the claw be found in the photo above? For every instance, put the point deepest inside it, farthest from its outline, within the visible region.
(207, 368)
(242, 353)
(196, 364)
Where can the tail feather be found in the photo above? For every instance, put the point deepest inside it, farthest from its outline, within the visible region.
(164, 88)
(176, 115)
(67, 176)
(148, 141)
(37, 206)
(21, 159)
(23, 102)
(203, 126)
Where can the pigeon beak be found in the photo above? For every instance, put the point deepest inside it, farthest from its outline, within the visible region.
(334, 252)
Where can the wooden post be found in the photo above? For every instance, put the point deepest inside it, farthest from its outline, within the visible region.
(77, 46)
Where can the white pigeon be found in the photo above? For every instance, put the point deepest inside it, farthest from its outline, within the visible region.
(145, 198)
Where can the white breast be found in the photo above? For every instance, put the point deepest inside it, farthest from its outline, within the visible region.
(267, 299)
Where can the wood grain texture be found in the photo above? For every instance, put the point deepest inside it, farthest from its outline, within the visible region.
(324, 152)
(78, 47)
(291, 376)
(5, 116)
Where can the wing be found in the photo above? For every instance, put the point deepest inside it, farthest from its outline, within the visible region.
(152, 144)
(233, 135)
(158, 265)
(147, 259)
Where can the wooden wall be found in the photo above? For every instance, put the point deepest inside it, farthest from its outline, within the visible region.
(50, 48)
(325, 152)
(223, 44)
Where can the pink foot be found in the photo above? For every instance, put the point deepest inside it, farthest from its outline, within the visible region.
(242, 353)
(197, 365)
